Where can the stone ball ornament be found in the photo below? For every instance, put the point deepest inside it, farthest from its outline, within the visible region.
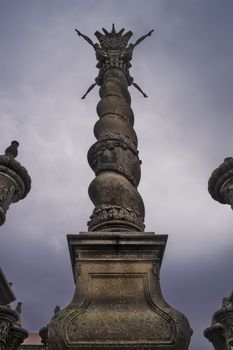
(220, 185)
(15, 183)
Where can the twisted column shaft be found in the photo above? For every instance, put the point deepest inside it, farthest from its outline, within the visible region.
(114, 159)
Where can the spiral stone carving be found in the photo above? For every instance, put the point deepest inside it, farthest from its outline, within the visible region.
(114, 157)
(117, 302)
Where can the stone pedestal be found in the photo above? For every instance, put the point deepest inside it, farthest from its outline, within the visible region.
(118, 302)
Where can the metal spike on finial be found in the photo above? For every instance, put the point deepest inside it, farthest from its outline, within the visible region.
(12, 150)
(113, 50)
(105, 31)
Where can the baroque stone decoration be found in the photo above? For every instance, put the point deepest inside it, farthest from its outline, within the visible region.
(12, 334)
(117, 303)
(114, 157)
(220, 184)
(15, 183)
(113, 52)
(220, 334)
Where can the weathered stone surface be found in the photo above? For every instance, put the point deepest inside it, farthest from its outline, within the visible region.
(112, 189)
(116, 105)
(16, 336)
(221, 331)
(114, 157)
(217, 336)
(7, 319)
(115, 160)
(114, 126)
(220, 184)
(115, 154)
(15, 183)
(118, 302)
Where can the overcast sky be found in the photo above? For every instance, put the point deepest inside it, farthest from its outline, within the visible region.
(184, 129)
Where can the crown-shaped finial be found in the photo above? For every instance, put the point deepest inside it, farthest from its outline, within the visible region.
(113, 40)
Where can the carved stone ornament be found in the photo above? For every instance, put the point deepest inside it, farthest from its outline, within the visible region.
(113, 52)
(15, 183)
(217, 336)
(220, 184)
(116, 155)
(16, 336)
(115, 215)
(221, 331)
(7, 319)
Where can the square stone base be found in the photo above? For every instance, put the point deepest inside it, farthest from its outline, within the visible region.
(117, 302)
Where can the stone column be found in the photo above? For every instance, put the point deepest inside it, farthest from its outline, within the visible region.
(220, 184)
(15, 183)
(117, 302)
(114, 159)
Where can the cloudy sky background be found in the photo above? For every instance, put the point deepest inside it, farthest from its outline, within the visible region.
(184, 130)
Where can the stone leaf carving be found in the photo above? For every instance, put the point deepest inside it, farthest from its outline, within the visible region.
(106, 212)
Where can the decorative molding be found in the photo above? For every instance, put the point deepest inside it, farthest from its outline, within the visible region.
(107, 213)
(100, 161)
(15, 183)
(11, 166)
(119, 138)
(220, 183)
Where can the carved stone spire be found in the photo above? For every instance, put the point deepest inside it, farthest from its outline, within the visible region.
(114, 157)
